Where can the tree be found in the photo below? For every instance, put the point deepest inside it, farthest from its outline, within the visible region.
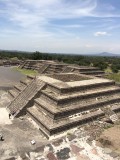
(101, 65)
(115, 68)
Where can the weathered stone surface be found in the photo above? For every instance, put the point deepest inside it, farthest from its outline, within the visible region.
(63, 153)
(51, 156)
(75, 149)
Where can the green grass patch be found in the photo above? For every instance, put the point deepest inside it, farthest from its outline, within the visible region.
(108, 70)
(114, 76)
(26, 71)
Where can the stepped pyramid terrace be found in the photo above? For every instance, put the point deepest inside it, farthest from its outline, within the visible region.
(50, 67)
(61, 101)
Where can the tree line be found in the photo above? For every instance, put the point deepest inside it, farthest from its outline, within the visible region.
(101, 62)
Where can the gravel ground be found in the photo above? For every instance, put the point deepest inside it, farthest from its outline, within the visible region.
(18, 135)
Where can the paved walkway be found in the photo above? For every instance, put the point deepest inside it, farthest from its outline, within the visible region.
(9, 76)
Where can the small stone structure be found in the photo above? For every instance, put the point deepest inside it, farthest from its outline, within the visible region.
(43, 66)
(12, 62)
(50, 67)
(60, 101)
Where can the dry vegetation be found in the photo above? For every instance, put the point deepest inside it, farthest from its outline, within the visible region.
(111, 138)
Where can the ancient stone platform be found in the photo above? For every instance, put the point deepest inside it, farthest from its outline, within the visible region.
(61, 101)
(51, 67)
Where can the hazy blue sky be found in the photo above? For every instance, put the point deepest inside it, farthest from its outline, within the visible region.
(65, 26)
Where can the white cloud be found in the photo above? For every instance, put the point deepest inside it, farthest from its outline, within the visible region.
(38, 12)
(113, 27)
(89, 46)
(101, 34)
(55, 25)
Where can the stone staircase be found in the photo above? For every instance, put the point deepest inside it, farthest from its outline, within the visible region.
(65, 105)
(54, 68)
(28, 65)
(31, 64)
(43, 68)
(84, 70)
(68, 69)
(25, 96)
(13, 93)
(22, 65)
(37, 66)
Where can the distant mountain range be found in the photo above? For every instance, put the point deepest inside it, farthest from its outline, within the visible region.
(104, 54)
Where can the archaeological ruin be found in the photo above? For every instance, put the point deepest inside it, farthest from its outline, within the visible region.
(50, 67)
(63, 96)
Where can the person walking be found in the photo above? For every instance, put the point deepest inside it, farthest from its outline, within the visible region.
(9, 115)
(1, 137)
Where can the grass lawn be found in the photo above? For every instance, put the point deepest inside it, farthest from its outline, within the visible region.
(111, 75)
(26, 71)
(114, 76)
(108, 70)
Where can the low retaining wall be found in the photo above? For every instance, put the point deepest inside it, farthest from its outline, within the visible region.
(6, 88)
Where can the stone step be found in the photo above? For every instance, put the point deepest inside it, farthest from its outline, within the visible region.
(22, 65)
(33, 67)
(51, 68)
(77, 97)
(116, 108)
(34, 116)
(25, 82)
(50, 109)
(88, 69)
(49, 72)
(43, 68)
(10, 97)
(13, 93)
(79, 86)
(53, 127)
(56, 111)
(93, 72)
(20, 87)
(80, 69)
(27, 67)
(100, 75)
(67, 69)
(29, 77)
